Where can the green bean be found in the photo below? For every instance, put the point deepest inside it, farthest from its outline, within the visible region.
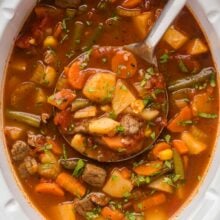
(79, 103)
(92, 40)
(205, 74)
(178, 165)
(28, 118)
(78, 30)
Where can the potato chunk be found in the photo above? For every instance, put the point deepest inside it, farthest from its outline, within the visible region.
(87, 112)
(123, 97)
(143, 23)
(196, 47)
(117, 186)
(100, 87)
(175, 38)
(103, 126)
(65, 211)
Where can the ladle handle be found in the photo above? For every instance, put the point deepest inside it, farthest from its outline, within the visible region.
(169, 13)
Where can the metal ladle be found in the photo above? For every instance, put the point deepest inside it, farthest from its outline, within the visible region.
(145, 50)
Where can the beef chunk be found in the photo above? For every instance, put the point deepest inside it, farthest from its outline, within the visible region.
(94, 175)
(67, 3)
(31, 165)
(99, 198)
(130, 124)
(84, 205)
(36, 140)
(19, 150)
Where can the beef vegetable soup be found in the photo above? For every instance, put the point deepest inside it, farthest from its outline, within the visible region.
(74, 94)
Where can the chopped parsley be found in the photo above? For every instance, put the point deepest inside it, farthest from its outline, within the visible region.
(153, 135)
(79, 168)
(120, 129)
(112, 115)
(212, 80)
(182, 66)
(164, 58)
(167, 138)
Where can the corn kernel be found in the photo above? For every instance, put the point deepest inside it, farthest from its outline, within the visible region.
(137, 106)
(166, 154)
(50, 41)
(147, 132)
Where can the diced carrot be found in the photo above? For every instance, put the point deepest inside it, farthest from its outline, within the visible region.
(201, 103)
(76, 77)
(63, 119)
(148, 169)
(180, 146)
(124, 64)
(185, 161)
(175, 125)
(61, 99)
(71, 184)
(125, 172)
(130, 3)
(49, 188)
(111, 214)
(113, 143)
(150, 202)
(159, 147)
(56, 149)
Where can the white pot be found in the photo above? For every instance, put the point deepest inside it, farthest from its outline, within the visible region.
(203, 205)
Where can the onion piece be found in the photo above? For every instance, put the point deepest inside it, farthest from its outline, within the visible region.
(125, 12)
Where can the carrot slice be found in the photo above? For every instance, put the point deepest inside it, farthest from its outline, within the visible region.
(113, 143)
(61, 99)
(75, 76)
(56, 149)
(71, 184)
(159, 147)
(180, 146)
(124, 64)
(49, 188)
(148, 169)
(175, 125)
(150, 202)
(131, 3)
(110, 214)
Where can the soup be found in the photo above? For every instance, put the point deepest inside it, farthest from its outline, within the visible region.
(93, 131)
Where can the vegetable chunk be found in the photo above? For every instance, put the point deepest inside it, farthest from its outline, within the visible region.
(196, 47)
(103, 126)
(143, 23)
(175, 38)
(61, 99)
(117, 186)
(123, 97)
(124, 64)
(65, 211)
(100, 87)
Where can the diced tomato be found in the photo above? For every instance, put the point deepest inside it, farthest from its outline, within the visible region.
(62, 98)
(63, 119)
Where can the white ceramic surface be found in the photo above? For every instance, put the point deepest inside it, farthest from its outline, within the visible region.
(13, 205)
